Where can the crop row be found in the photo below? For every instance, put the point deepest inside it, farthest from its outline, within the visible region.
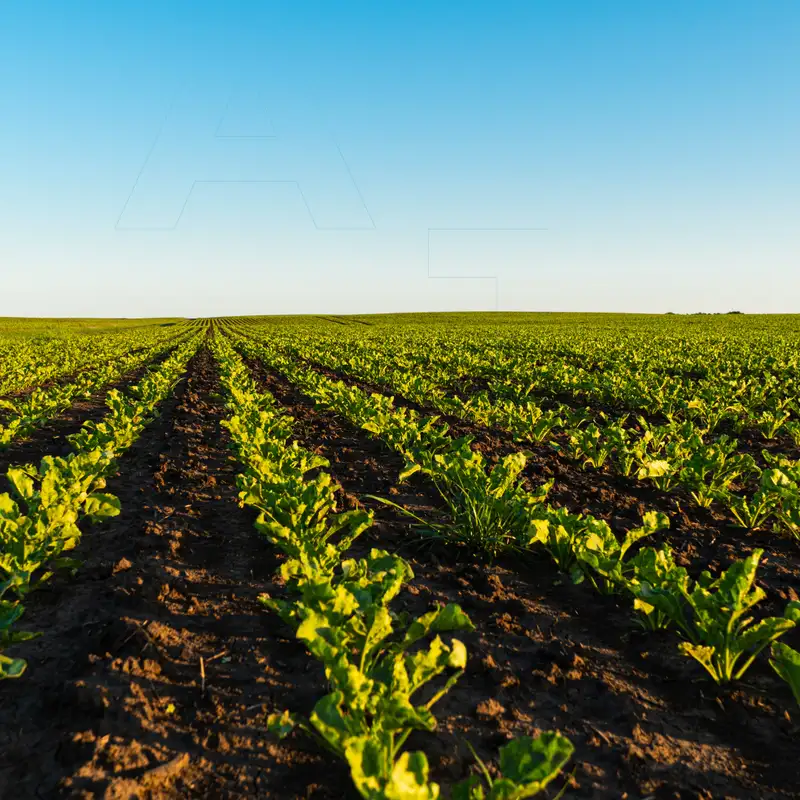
(489, 510)
(32, 410)
(752, 382)
(376, 660)
(32, 361)
(679, 453)
(39, 518)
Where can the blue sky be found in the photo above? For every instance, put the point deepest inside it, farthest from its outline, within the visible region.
(203, 158)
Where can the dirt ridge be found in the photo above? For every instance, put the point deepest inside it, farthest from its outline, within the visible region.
(547, 654)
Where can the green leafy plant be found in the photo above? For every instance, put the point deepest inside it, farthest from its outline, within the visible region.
(370, 714)
(651, 569)
(487, 512)
(10, 612)
(771, 421)
(41, 524)
(375, 661)
(39, 517)
(792, 427)
(660, 471)
(589, 446)
(601, 557)
(782, 484)
(711, 468)
(620, 439)
(560, 533)
(527, 765)
(786, 662)
(753, 513)
(712, 617)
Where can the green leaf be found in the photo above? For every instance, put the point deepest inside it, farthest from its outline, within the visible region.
(8, 508)
(376, 778)
(449, 618)
(786, 662)
(66, 563)
(654, 469)
(379, 630)
(469, 789)
(329, 721)
(15, 637)
(458, 655)
(505, 789)
(409, 779)
(22, 482)
(356, 688)
(99, 506)
(281, 725)
(763, 632)
(408, 471)
(533, 762)
(368, 759)
(792, 611)
(9, 612)
(11, 667)
(702, 653)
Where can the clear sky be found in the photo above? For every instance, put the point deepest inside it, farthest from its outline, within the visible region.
(210, 158)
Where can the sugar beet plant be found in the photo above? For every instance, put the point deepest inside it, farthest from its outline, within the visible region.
(582, 546)
(39, 518)
(381, 665)
(32, 361)
(682, 453)
(712, 615)
(23, 416)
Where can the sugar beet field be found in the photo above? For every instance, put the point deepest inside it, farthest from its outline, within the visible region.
(416, 556)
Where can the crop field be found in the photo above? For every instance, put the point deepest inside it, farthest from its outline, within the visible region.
(412, 556)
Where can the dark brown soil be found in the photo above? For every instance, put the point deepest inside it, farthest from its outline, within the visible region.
(115, 702)
(702, 538)
(547, 654)
(50, 439)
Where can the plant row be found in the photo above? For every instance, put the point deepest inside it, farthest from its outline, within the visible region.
(747, 382)
(34, 360)
(382, 665)
(488, 510)
(675, 454)
(40, 516)
(42, 404)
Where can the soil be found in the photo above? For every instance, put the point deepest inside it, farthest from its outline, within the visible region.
(157, 665)
(51, 438)
(63, 379)
(114, 703)
(547, 654)
(701, 538)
